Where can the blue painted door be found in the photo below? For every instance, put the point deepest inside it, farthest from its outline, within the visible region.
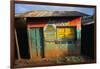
(37, 41)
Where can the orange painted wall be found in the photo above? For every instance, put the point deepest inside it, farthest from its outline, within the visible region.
(76, 22)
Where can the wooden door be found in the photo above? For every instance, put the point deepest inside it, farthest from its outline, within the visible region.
(36, 43)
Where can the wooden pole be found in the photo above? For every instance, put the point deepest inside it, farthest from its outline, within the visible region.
(17, 45)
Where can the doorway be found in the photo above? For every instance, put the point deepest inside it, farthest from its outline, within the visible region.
(37, 42)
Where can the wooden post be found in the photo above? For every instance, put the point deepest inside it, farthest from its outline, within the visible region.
(17, 45)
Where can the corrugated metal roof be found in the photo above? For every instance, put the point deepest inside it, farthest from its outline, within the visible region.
(44, 13)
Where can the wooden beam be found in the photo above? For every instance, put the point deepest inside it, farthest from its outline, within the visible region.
(17, 45)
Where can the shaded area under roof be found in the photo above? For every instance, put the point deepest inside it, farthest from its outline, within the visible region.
(44, 13)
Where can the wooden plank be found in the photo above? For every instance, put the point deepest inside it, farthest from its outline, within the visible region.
(38, 41)
(19, 57)
(29, 41)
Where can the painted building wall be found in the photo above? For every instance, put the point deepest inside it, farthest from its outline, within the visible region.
(58, 46)
(56, 42)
